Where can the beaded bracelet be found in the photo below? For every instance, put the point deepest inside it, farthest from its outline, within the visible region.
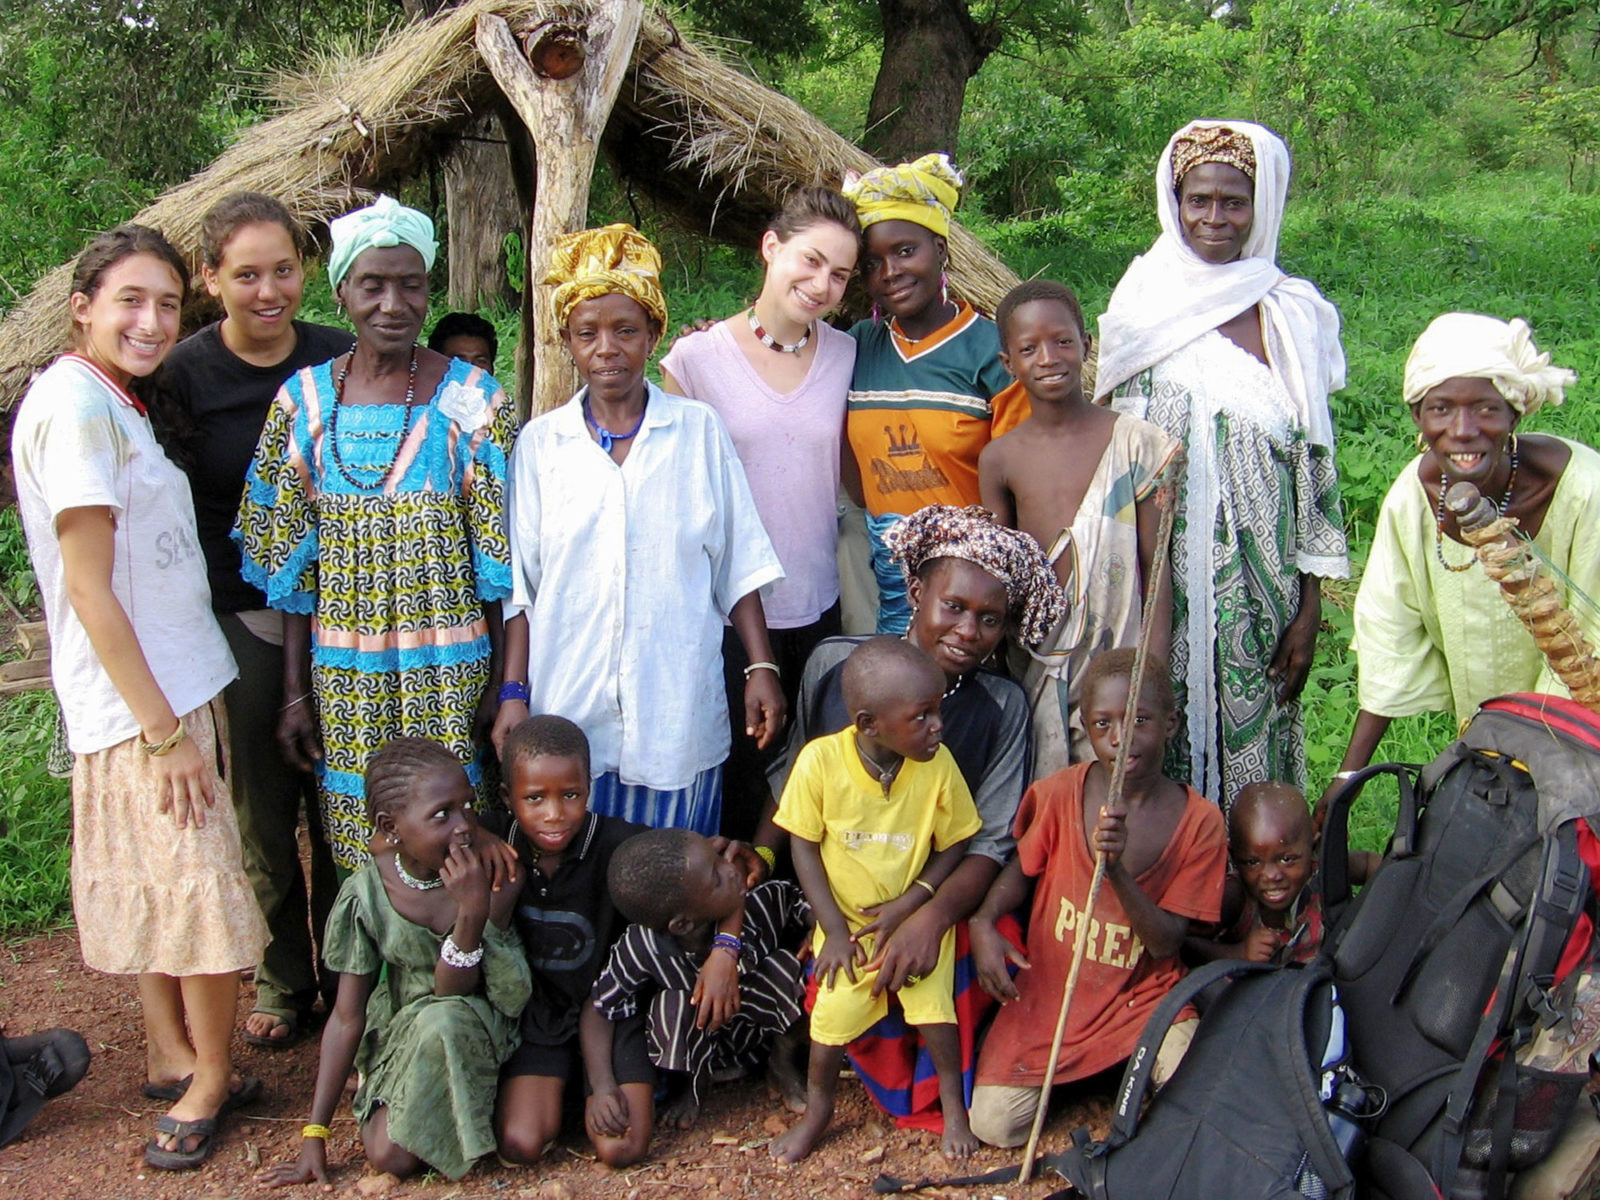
(455, 956)
(316, 1131)
(767, 855)
(513, 689)
(726, 941)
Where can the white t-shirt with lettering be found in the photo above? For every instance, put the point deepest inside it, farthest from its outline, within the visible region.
(80, 442)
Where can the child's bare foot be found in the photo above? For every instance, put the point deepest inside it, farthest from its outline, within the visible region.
(959, 1141)
(679, 1111)
(784, 1074)
(803, 1135)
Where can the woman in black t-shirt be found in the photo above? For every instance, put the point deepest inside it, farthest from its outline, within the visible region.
(213, 395)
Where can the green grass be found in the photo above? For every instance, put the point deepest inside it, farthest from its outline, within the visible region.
(36, 811)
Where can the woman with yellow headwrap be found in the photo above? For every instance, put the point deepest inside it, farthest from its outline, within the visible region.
(373, 519)
(633, 534)
(929, 391)
(1432, 631)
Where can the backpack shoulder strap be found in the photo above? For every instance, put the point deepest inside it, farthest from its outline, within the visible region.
(1136, 1077)
(1333, 867)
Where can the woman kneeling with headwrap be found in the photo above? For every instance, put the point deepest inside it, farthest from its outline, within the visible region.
(969, 580)
(1432, 631)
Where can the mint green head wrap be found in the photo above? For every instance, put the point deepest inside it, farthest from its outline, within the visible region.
(383, 224)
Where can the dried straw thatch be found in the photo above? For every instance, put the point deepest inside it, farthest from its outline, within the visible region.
(711, 145)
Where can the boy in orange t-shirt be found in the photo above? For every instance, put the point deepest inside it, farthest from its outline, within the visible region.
(1166, 851)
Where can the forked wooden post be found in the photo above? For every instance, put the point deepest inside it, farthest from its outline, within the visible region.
(561, 80)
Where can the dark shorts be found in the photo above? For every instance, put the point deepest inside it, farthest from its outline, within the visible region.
(630, 1057)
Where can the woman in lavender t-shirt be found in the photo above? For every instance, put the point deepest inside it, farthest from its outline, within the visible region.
(778, 375)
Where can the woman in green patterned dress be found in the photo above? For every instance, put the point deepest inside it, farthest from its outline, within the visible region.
(372, 517)
(1207, 338)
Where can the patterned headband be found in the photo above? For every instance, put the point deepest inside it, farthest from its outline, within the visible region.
(1212, 143)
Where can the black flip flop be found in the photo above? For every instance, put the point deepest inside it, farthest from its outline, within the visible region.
(248, 1092)
(294, 1023)
(179, 1160)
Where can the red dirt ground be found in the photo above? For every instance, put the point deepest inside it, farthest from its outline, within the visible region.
(89, 1145)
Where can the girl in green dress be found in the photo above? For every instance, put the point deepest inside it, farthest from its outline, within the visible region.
(429, 1033)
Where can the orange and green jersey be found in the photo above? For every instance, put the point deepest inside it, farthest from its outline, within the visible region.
(921, 411)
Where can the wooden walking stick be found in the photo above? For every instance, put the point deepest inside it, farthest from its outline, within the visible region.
(1166, 498)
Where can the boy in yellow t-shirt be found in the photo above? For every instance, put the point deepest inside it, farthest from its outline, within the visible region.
(878, 816)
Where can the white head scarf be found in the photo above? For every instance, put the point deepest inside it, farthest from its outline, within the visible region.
(1170, 295)
(1461, 345)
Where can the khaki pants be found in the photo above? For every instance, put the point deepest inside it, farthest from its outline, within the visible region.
(1002, 1115)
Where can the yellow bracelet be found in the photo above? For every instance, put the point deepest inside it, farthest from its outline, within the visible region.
(932, 891)
(316, 1131)
(768, 856)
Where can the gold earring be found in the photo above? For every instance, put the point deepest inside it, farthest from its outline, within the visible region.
(1422, 443)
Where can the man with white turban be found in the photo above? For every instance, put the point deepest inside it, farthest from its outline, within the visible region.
(1431, 629)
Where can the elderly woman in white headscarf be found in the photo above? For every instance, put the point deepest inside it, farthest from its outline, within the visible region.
(1432, 631)
(373, 508)
(1208, 339)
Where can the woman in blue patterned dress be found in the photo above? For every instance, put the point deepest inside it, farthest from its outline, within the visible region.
(372, 518)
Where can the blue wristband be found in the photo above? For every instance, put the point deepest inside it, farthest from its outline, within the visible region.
(512, 690)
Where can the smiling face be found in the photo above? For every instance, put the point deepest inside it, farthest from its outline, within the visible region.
(1216, 207)
(386, 295)
(611, 339)
(1045, 349)
(259, 280)
(807, 274)
(1103, 709)
(901, 267)
(960, 614)
(1271, 848)
(438, 815)
(131, 322)
(549, 796)
(1467, 424)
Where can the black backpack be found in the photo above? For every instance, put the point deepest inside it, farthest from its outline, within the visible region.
(1446, 963)
(1263, 1106)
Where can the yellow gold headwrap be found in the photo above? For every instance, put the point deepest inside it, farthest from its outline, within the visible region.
(924, 192)
(1212, 143)
(597, 262)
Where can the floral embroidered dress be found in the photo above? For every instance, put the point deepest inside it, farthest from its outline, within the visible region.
(1259, 506)
(385, 523)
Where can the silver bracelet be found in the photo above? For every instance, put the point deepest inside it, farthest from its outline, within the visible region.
(762, 666)
(455, 956)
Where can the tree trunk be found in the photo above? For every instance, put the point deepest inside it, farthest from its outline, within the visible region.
(484, 205)
(482, 201)
(930, 49)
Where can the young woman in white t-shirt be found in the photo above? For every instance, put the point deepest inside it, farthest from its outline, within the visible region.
(778, 375)
(138, 664)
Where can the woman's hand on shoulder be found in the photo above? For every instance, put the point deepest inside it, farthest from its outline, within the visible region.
(310, 1167)
(505, 877)
(188, 785)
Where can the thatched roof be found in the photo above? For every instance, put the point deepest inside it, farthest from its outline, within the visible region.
(708, 143)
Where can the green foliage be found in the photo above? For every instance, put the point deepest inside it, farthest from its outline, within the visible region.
(36, 812)
(1567, 118)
